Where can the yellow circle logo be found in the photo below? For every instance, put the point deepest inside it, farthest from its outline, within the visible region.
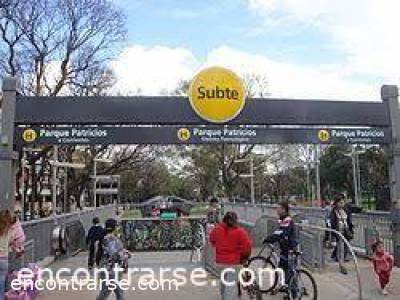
(29, 135)
(324, 135)
(184, 134)
(217, 95)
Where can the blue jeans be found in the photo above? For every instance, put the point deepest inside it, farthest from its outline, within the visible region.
(105, 291)
(3, 277)
(229, 292)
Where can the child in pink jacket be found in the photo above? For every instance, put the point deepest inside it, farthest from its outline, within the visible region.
(383, 264)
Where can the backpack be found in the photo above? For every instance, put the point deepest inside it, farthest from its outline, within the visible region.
(113, 252)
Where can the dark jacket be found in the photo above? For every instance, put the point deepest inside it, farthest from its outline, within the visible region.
(348, 231)
(285, 235)
(232, 244)
(96, 233)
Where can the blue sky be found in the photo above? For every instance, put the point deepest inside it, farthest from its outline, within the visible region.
(306, 48)
(206, 24)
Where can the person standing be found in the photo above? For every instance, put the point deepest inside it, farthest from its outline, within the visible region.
(286, 237)
(213, 214)
(232, 248)
(341, 221)
(93, 240)
(5, 225)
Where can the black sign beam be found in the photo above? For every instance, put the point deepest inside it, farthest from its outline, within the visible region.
(177, 111)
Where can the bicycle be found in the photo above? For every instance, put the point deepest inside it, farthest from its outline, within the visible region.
(301, 285)
(255, 263)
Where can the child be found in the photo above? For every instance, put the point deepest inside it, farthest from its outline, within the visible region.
(383, 264)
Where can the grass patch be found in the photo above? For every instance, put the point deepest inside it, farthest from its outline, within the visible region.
(199, 210)
(132, 213)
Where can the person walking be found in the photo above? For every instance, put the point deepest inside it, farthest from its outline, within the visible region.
(232, 248)
(114, 255)
(341, 222)
(383, 265)
(5, 225)
(93, 241)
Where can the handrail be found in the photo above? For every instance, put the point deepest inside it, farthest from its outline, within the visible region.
(360, 293)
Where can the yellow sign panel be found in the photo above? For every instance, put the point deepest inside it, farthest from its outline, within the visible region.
(324, 135)
(29, 135)
(184, 134)
(217, 95)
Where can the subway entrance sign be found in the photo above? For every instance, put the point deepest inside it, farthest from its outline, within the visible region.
(217, 95)
(206, 134)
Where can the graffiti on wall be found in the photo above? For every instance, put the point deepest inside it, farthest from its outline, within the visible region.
(157, 235)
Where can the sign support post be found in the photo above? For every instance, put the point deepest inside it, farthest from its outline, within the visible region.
(7, 155)
(389, 94)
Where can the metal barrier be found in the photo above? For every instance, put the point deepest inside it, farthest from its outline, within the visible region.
(309, 240)
(209, 254)
(347, 243)
(379, 221)
(41, 231)
(154, 234)
(309, 236)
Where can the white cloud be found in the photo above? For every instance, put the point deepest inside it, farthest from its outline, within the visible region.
(159, 69)
(152, 70)
(294, 81)
(365, 30)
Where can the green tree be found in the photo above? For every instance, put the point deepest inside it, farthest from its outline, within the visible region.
(336, 171)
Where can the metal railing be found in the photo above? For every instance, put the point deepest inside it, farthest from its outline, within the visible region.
(310, 238)
(41, 231)
(367, 226)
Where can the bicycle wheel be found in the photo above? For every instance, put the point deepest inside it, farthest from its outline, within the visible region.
(263, 269)
(302, 286)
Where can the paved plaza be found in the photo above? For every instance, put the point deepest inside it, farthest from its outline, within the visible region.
(331, 284)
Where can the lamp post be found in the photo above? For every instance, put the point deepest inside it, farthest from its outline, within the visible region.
(354, 154)
(57, 164)
(317, 172)
(251, 176)
(95, 161)
(23, 186)
(54, 180)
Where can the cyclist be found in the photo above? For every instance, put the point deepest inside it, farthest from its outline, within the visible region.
(286, 237)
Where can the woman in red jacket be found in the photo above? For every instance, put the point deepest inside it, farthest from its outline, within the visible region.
(232, 248)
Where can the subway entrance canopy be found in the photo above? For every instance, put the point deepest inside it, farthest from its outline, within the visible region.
(216, 111)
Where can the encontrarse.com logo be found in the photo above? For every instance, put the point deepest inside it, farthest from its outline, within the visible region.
(139, 278)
